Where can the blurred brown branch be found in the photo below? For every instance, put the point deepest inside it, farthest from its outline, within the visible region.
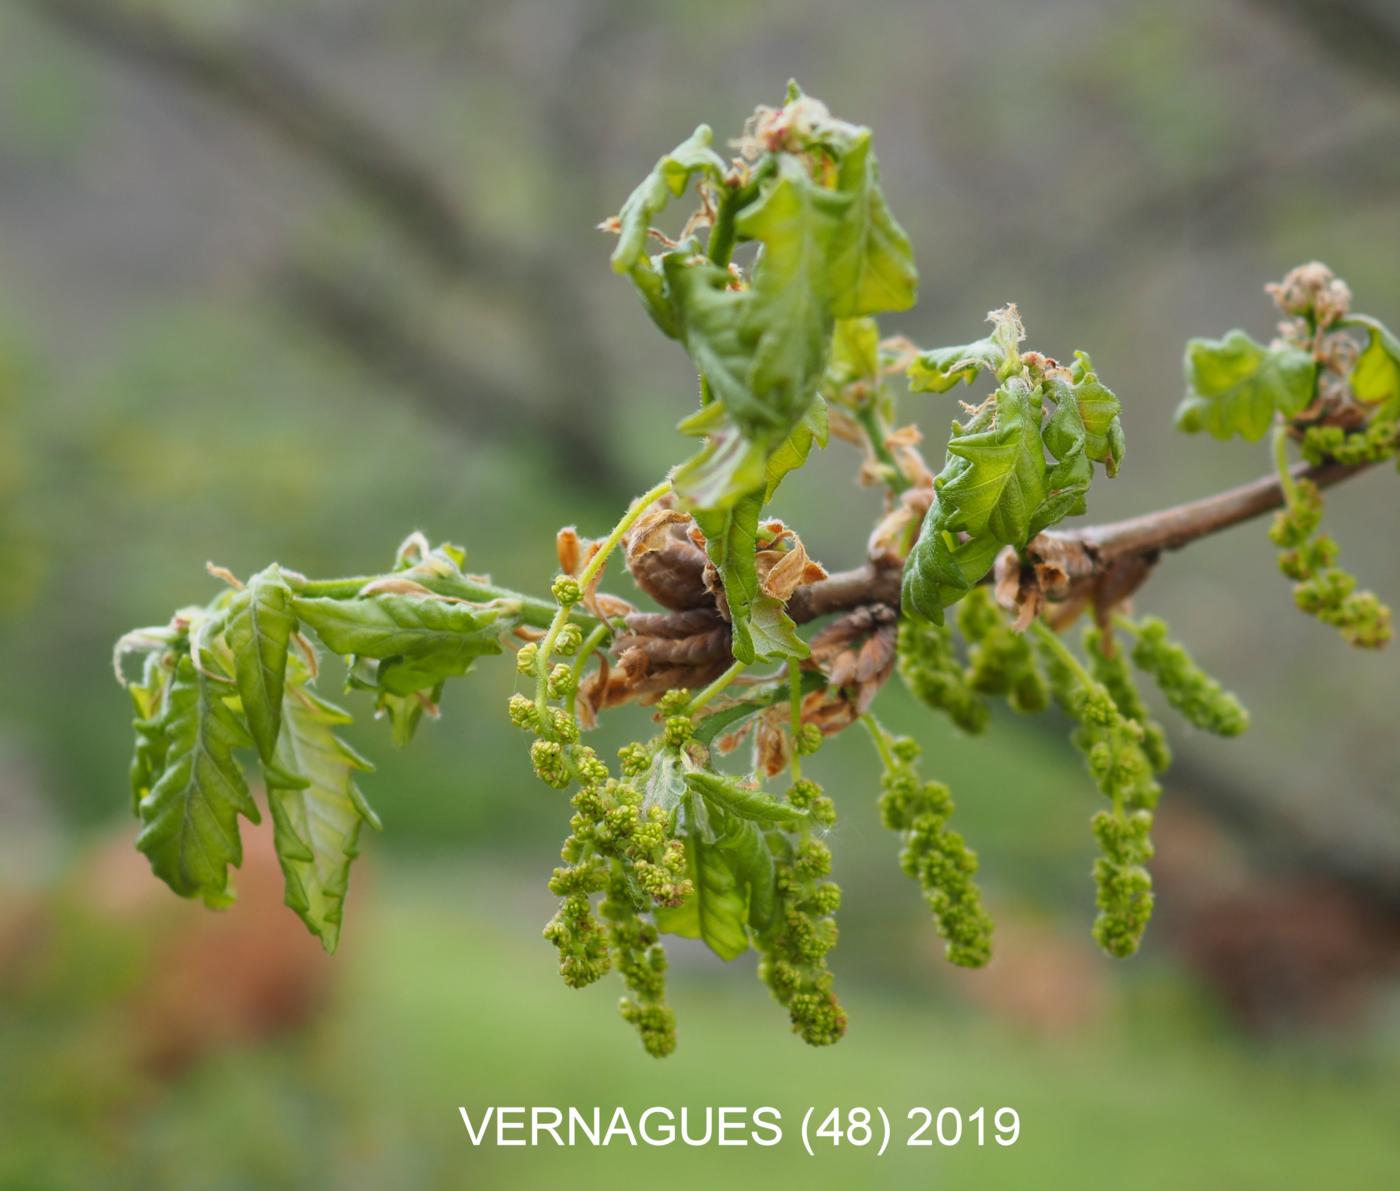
(257, 82)
(378, 336)
(255, 79)
(1358, 34)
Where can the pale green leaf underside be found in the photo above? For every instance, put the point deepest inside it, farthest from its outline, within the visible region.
(260, 628)
(316, 827)
(1376, 377)
(390, 626)
(718, 909)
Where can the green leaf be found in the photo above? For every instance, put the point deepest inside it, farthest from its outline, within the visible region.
(855, 355)
(1099, 410)
(992, 488)
(150, 725)
(761, 628)
(789, 319)
(260, 627)
(941, 368)
(941, 569)
(751, 862)
(1002, 480)
(1068, 481)
(718, 909)
(1235, 386)
(316, 821)
(757, 806)
(190, 817)
(1376, 377)
(872, 262)
(715, 327)
(731, 537)
(793, 451)
(405, 713)
(667, 180)
(773, 632)
(437, 633)
(726, 469)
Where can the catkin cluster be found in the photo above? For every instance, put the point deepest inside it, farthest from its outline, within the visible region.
(929, 665)
(1321, 588)
(1000, 660)
(1114, 747)
(936, 856)
(803, 929)
(1188, 688)
(616, 848)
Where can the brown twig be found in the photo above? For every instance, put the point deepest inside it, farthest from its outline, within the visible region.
(1085, 555)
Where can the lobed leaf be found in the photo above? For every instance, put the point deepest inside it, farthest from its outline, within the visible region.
(190, 816)
(667, 180)
(442, 635)
(1376, 376)
(260, 627)
(1099, 410)
(872, 262)
(317, 817)
(717, 911)
(1004, 478)
(757, 806)
(150, 725)
(941, 368)
(789, 318)
(1236, 386)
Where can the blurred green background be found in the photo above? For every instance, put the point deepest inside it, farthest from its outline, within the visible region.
(286, 281)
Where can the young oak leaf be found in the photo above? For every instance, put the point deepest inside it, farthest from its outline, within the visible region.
(1099, 410)
(1068, 481)
(260, 627)
(667, 180)
(149, 698)
(1376, 377)
(855, 355)
(190, 816)
(727, 468)
(789, 319)
(995, 489)
(1235, 385)
(717, 912)
(872, 262)
(441, 636)
(316, 819)
(941, 368)
(717, 331)
(1004, 478)
(757, 806)
(761, 628)
(941, 568)
(731, 537)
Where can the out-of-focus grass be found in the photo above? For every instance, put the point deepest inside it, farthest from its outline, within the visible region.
(441, 1007)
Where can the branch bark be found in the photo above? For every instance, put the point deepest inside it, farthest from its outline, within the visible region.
(1083, 556)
